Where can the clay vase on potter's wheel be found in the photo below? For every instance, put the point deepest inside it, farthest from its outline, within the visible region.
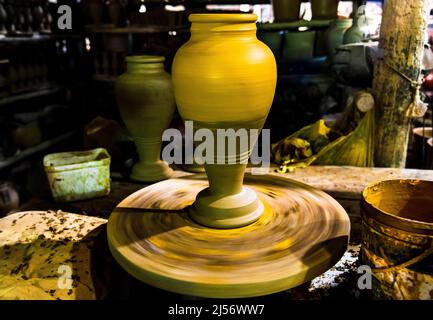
(146, 103)
(224, 78)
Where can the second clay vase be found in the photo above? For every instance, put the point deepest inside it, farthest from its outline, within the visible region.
(146, 103)
(225, 78)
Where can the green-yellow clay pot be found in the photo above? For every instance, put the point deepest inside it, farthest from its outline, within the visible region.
(146, 103)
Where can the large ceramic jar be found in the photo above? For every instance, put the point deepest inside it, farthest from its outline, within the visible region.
(146, 103)
(324, 9)
(224, 78)
(335, 35)
(286, 10)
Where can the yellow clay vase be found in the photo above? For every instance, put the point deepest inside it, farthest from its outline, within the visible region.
(146, 103)
(223, 78)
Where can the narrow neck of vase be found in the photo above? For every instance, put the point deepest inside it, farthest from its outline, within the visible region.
(145, 64)
(226, 25)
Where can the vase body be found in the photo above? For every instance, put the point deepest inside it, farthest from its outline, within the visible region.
(335, 34)
(224, 78)
(354, 34)
(286, 10)
(324, 9)
(298, 46)
(146, 103)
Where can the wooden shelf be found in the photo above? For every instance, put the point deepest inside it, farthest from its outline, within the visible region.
(28, 95)
(293, 25)
(24, 39)
(135, 29)
(104, 78)
(34, 150)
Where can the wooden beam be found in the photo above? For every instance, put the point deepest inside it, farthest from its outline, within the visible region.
(402, 39)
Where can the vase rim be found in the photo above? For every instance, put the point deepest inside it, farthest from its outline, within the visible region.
(145, 59)
(223, 17)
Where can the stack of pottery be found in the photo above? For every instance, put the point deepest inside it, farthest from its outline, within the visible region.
(146, 103)
(286, 10)
(324, 9)
(335, 35)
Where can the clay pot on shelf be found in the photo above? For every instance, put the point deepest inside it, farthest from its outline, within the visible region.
(114, 8)
(9, 198)
(298, 46)
(93, 11)
(354, 34)
(324, 9)
(146, 103)
(4, 81)
(335, 34)
(28, 135)
(286, 10)
(320, 48)
(220, 91)
(3, 18)
(38, 15)
(421, 136)
(430, 153)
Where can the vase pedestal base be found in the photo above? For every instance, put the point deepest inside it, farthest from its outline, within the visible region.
(301, 233)
(151, 172)
(226, 212)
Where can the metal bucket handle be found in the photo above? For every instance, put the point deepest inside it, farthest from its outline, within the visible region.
(401, 265)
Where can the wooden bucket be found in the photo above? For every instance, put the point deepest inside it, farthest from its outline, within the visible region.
(397, 238)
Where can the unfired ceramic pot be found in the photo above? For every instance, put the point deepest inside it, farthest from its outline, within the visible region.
(354, 34)
(298, 46)
(145, 100)
(224, 78)
(335, 34)
(286, 10)
(324, 9)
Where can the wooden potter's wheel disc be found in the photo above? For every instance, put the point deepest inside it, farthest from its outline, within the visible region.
(302, 233)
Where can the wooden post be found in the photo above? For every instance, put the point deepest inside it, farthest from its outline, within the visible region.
(402, 38)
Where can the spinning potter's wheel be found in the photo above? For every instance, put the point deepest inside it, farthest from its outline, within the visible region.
(302, 233)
